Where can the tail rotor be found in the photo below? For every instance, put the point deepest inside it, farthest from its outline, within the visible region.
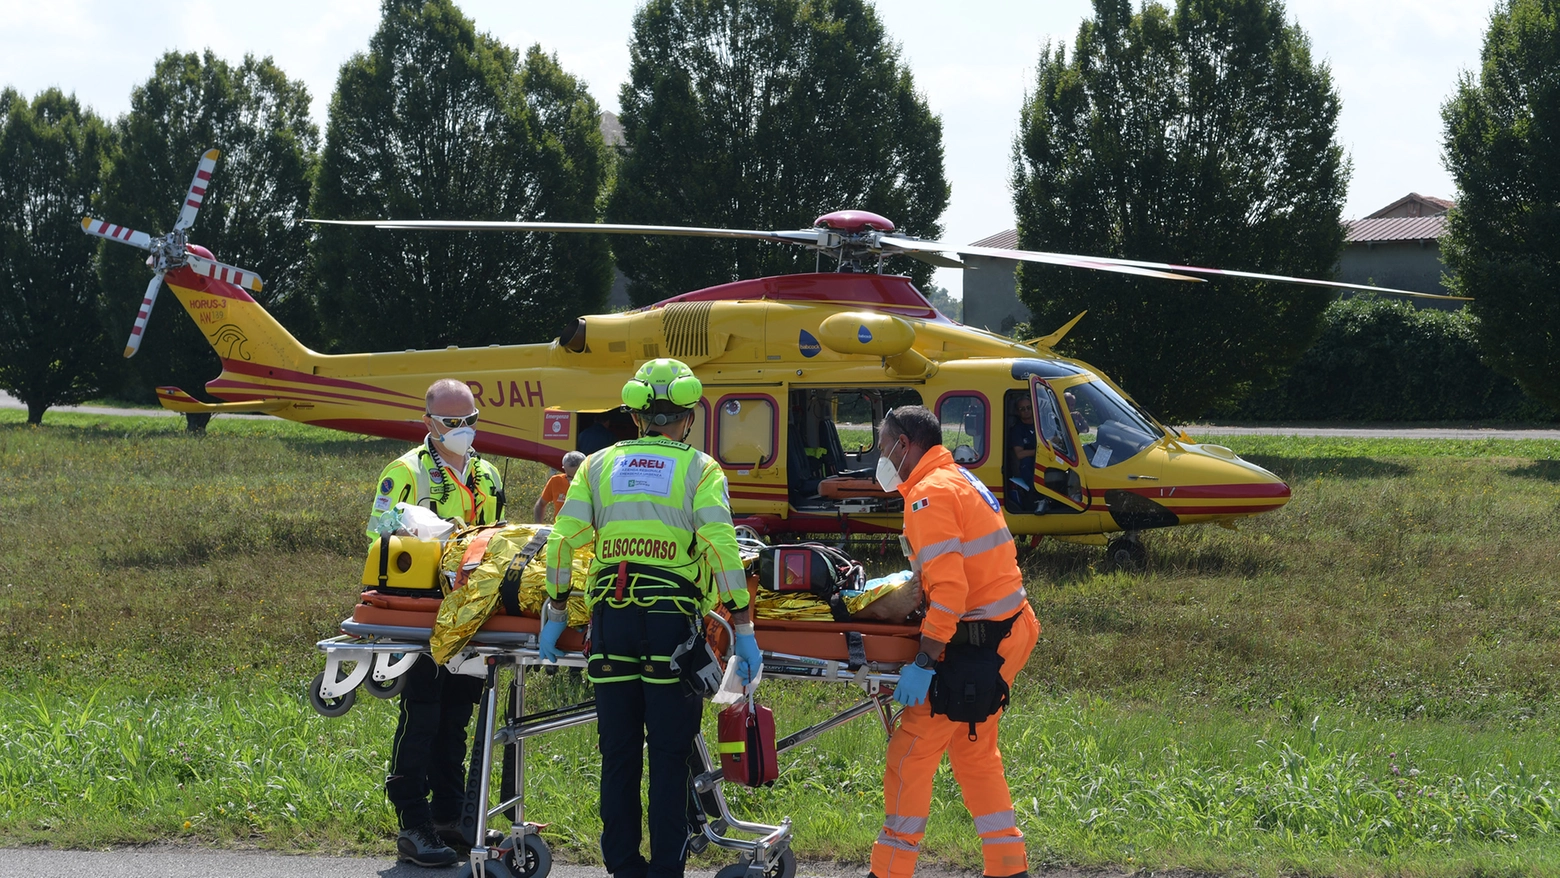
(171, 251)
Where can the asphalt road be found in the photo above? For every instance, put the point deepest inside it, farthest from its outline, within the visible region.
(188, 862)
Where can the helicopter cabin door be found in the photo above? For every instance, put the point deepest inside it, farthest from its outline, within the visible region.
(1056, 457)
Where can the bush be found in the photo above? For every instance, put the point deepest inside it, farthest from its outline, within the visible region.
(1380, 360)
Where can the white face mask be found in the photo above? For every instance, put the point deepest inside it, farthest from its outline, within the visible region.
(459, 439)
(888, 473)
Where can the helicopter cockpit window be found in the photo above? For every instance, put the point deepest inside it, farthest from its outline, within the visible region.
(1109, 428)
(963, 418)
(745, 431)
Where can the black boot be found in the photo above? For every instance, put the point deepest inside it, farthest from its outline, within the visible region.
(421, 846)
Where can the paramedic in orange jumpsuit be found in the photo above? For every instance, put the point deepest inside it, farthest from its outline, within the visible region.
(968, 565)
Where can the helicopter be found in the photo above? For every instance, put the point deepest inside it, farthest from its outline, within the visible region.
(798, 371)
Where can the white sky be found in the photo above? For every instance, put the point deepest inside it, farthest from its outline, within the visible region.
(1394, 62)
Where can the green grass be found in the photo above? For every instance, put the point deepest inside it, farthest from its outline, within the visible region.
(1363, 683)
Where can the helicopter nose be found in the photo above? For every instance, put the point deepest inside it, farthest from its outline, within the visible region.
(1212, 483)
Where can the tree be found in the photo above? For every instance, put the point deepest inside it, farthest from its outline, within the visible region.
(1503, 149)
(438, 121)
(52, 346)
(1203, 136)
(765, 114)
(251, 216)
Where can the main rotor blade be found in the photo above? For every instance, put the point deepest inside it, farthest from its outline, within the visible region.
(122, 234)
(238, 277)
(139, 329)
(811, 237)
(1107, 263)
(198, 186)
(910, 246)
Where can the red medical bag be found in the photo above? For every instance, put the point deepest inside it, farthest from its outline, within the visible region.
(747, 744)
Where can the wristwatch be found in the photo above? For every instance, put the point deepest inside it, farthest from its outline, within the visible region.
(924, 661)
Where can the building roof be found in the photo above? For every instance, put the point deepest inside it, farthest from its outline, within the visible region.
(1007, 240)
(1398, 228)
(1413, 204)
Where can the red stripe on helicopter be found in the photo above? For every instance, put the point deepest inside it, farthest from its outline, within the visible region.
(217, 385)
(192, 202)
(1204, 492)
(1223, 510)
(198, 190)
(202, 174)
(414, 431)
(262, 371)
(103, 229)
(136, 329)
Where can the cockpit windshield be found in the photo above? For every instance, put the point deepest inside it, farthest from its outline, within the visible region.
(1110, 429)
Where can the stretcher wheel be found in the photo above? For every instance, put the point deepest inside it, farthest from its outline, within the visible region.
(533, 860)
(388, 689)
(331, 707)
(783, 866)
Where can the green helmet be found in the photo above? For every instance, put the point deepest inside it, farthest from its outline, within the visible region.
(663, 379)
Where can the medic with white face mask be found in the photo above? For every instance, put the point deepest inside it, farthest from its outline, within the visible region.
(427, 780)
(442, 474)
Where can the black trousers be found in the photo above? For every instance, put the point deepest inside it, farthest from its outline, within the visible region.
(429, 751)
(629, 716)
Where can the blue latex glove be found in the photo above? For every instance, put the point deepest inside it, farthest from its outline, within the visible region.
(745, 650)
(913, 683)
(548, 646)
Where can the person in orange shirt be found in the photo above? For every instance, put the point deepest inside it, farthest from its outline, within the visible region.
(556, 491)
(978, 632)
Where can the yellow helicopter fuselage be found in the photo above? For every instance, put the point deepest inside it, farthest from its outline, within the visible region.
(797, 370)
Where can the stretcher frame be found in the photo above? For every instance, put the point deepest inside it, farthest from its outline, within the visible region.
(382, 654)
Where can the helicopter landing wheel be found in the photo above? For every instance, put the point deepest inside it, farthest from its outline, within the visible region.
(1126, 554)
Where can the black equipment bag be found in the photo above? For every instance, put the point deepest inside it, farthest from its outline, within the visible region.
(822, 570)
(968, 687)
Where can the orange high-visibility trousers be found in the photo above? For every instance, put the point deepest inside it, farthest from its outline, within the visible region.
(915, 751)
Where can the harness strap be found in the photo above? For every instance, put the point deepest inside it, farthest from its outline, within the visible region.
(384, 560)
(856, 649)
(509, 586)
(473, 556)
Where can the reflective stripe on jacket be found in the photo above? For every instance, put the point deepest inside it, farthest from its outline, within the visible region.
(649, 503)
(416, 478)
(961, 546)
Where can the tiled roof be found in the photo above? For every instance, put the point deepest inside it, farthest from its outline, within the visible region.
(1007, 240)
(1403, 228)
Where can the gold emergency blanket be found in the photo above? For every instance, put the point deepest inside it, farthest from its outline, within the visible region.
(801, 606)
(465, 609)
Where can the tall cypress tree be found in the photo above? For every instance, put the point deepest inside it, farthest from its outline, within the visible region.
(52, 153)
(252, 213)
(764, 114)
(1503, 149)
(438, 121)
(1202, 136)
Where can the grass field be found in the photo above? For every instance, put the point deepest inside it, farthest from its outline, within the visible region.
(1363, 683)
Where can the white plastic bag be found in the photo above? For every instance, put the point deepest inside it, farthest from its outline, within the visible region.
(731, 689)
(422, 522)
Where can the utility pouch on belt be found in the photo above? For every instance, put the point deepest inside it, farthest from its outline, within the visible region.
(747, 744)
(968, 687)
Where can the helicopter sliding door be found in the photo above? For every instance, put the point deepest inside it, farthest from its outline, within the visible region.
(1056, 476)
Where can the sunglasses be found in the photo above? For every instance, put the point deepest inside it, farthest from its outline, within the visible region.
(460, 421)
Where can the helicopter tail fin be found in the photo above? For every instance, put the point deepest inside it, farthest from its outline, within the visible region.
(253, 346)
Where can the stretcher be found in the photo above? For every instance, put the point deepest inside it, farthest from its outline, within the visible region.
(386, 635)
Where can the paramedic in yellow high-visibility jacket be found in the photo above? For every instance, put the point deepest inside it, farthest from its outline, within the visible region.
(666, 550)
(428, 756)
